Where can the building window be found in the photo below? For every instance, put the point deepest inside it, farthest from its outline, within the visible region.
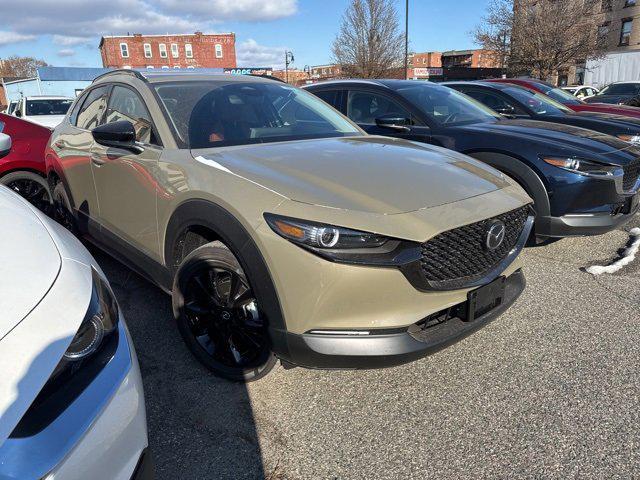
(147, 50)
(190, 66)
(165, 67)
(625, 33)
(176, 67)
(149, 67)
(174, 50)
(163, 50)
(124, 50)
(218, 50)
(188, 51)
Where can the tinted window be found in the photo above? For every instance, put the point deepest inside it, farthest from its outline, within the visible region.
(212, 114)
(494, 102)
(125, 104)
(559, 95)
(539, 103)
(47, 107)
(365, 107)
(445, 106)
(332, 97)
(91, 113)
(621, 89)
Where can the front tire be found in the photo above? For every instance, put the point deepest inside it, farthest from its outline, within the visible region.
(62, 209)
(30, 186)
(219, 317)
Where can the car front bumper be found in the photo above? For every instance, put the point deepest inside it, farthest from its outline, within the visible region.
(102, 434)
(340, 351)
(581, 224)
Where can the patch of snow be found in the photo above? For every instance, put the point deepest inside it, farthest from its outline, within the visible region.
(628, 256)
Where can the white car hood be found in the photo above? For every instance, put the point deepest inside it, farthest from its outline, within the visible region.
(45, 288)
(50, 121)
(29, 262)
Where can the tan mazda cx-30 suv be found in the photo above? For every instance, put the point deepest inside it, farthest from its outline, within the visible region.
(280, 228)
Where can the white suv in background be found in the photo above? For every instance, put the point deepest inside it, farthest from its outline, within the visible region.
(71, 398)
(43, 110)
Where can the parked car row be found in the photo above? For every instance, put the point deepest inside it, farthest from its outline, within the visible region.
(350, 224)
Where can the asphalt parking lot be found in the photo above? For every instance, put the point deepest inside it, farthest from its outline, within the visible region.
(550, 390)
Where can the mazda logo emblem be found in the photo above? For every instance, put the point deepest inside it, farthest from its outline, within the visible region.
(495, 234)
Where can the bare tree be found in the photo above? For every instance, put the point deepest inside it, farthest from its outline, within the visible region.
(16, 66)
(370, 43)
(494, 33)
(552, 35)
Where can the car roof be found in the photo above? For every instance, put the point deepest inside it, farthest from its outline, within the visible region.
(480, 83)
(47, 97)
(181, 76)
(391, 84)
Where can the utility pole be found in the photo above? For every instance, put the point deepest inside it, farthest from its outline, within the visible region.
(288, 59)
(406, 41)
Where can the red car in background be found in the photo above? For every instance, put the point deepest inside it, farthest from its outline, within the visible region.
(569, 100)
(23, 170)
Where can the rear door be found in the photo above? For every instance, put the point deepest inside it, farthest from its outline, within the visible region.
(126, 182)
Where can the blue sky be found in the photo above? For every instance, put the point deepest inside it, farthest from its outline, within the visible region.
(67, 32)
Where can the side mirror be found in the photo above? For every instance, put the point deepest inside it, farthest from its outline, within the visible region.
(5, 145)
(394, 122)
(120, 134)
(18, 113)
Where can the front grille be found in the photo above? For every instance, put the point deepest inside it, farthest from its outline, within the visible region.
(631, 174)
(459, 256)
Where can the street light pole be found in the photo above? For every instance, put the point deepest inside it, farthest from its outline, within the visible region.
(288, 58)
(406, 41)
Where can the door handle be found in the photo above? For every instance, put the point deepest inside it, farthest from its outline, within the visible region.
(97, 160)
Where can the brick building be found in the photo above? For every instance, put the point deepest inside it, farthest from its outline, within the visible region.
(294, 75)
(324, 72)
(477, 58)
(425, 60)
(198, 50)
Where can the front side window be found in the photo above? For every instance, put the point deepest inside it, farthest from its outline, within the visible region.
(365, 107)
(174, 50)
(125, 104)
(218, 50)
(47, 107)
(163, 50)
(539, 103)
(147, 50)
(625, 33)
(446, 107)
(188, 50)
(494, 101)
(91, 113)
(213, 114)
(124, 50)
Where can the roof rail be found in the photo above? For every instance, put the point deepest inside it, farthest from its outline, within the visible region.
(129, 71)
(270, 77)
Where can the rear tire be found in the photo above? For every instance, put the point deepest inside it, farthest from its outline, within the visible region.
(219, 317)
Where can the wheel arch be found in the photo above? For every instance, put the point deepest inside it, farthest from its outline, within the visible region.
(523, 174)
(211, 222)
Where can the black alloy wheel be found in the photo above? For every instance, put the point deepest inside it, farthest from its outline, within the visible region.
(31, 187)
(219, 316)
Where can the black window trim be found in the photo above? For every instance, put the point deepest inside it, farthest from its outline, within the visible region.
(86, 94)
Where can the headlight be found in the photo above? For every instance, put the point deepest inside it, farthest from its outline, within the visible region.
(584, 167)
(630, 138)
(95, 332)
(317, 235)
(342, 244)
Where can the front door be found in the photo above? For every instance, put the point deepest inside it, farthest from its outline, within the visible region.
(125, 181)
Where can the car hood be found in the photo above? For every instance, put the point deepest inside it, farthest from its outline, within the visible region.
(29, 262)
(561, 134)
(610, 117)
(366, 173)
(49, 121)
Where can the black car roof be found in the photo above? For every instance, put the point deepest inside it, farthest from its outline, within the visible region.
(392, 84)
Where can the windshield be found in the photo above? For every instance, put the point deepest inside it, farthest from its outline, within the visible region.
(47, 107)
(447, 107)
(621, 89)
(215, 114)
(561, 96)
(539, 103)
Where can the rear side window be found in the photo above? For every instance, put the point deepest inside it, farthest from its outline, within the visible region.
(125, 104)
(91, 113)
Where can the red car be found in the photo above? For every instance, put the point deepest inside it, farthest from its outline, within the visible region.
(23, 170)
(569, 100)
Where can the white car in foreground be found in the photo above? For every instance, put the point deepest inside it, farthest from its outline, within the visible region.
(47, 111)
(71, 398)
